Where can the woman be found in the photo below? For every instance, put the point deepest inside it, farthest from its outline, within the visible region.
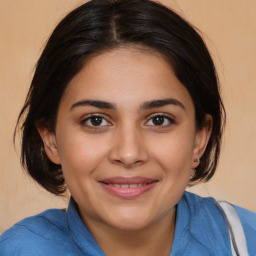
(124, 111)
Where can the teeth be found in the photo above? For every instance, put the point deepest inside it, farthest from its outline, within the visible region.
(129, 185)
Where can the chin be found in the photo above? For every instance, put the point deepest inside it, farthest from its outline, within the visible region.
(130, 225)
(131, 220)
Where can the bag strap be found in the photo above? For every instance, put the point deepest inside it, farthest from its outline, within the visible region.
(235, 229)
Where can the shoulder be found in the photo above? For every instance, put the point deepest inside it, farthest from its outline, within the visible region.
(247, 217)
(248, 220)
(205, 212)
(206, 225)
(29, 235)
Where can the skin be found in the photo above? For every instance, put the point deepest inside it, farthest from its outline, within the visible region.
(128, 142)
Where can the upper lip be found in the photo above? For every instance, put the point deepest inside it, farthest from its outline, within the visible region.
(128, 180)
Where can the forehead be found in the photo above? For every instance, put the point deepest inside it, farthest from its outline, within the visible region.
(128, 75)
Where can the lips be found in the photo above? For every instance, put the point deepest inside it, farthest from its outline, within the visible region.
(128, 187)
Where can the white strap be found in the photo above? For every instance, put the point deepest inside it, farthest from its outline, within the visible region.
(236, 232)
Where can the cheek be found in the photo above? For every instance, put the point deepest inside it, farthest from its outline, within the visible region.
(80, 154)
(174, 151)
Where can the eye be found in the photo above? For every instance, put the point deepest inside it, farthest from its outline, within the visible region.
(95, 121)
(160, 120)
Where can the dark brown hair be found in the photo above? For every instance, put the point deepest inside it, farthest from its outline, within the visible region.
(102, 25)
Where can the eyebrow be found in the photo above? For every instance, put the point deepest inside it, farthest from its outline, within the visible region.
(146, 105)
(94, 103)
(160, 103)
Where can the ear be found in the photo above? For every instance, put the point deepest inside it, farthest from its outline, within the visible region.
(50, 142)
(201, 140)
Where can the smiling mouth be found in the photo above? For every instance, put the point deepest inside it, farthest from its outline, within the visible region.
(128, 188)
(128, 185)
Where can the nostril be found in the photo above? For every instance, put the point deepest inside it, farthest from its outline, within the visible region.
(128, 164)
(118, 161)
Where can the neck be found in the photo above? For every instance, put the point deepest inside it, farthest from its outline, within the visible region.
(154, 240)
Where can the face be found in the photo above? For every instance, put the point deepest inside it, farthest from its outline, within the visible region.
(126, 139)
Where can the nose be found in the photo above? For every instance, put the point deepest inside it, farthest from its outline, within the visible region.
(129, 148)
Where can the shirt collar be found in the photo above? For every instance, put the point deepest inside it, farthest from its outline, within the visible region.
(80, 234)
(199, 227)
(192, 224)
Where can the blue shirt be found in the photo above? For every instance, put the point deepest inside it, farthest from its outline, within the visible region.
(200, 230)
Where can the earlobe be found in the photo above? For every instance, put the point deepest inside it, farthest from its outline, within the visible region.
(201, 141)
(50, 143)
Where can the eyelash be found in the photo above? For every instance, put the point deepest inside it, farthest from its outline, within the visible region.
(159, 115)
(89, 118)
(165, 117)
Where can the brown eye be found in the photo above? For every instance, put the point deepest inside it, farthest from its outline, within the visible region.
(95, 121)
(160, 120)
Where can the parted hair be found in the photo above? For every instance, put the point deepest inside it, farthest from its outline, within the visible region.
(102, 25)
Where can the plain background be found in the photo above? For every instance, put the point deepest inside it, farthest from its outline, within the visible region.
(228, 27)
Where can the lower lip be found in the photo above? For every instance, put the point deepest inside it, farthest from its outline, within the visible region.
(128, 193)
